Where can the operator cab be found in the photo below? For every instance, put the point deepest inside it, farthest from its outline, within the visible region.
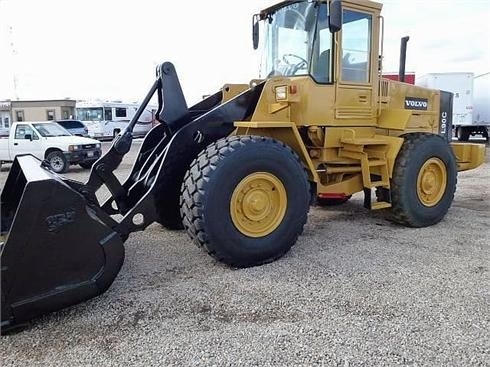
(335, 45)
(300, 40)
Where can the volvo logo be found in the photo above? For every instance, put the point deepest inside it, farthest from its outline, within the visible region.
(413, 103)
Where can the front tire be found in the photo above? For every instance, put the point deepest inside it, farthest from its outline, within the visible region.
(424, 180)
(245, 199)
(57, 161)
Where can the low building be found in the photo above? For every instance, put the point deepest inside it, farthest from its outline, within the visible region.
(42, 110)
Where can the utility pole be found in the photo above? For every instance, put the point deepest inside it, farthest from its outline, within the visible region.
(13, 52)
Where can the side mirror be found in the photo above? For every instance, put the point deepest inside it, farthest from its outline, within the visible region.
(255, 31)
(28, 137)
(335, 16)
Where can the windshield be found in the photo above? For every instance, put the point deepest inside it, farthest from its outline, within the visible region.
(89, 114)
(50, 130)
(288, 32)
(298, 42)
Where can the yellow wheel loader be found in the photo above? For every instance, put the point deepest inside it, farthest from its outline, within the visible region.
(240, 169)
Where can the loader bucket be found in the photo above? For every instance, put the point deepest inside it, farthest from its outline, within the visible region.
(57, 251)
(60, 245)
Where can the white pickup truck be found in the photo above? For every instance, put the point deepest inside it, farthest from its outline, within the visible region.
(48, 140)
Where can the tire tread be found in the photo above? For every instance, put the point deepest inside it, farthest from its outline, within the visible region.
(409, 148)
(193, 193)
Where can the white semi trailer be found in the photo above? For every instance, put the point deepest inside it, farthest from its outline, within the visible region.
(481, 105)
(469, 116)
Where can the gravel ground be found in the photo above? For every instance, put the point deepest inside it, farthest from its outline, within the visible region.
(355, 290)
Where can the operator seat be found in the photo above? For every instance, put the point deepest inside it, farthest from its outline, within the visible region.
(321, 73)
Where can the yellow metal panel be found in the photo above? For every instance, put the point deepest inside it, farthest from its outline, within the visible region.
(232, 90)
(335, 134)
(364, 141)
(279, 106)
(419, 121)
(263, 124)
(394, 119)
(355, 103)
(394, 145)
(347, 186)
(284, 131)
(468, 155)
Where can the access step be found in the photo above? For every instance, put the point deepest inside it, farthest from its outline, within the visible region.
(380, 205)
(370, 204)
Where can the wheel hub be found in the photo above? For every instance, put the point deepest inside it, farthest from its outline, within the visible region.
(56, 163)
(431, 182)
(258, 204)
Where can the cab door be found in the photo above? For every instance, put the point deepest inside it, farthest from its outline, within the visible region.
(26, 140)
(356, 86)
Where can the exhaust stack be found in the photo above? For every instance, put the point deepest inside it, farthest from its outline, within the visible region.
(403, 58)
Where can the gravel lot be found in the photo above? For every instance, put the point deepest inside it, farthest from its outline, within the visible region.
(355, 290)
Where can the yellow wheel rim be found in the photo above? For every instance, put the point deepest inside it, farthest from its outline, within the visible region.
(431, 182)
(258, 204)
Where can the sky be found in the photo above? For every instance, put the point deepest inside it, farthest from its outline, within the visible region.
(108, 49)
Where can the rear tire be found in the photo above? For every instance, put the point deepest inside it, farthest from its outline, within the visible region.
(424, 180)
(57, 161)
(245, 199)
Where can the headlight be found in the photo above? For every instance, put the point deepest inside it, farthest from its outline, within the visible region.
(281, 93)
(98, 146)
(73, 148)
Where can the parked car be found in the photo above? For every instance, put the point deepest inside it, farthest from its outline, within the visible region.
(49, 141)
(75, 127)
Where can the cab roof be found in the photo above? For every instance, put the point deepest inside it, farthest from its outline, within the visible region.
(363, 3)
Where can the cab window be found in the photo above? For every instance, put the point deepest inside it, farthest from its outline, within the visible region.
(321, 60)
(22, 130)
(356, 46)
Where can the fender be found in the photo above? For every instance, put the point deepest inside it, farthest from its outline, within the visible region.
(285, 131)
